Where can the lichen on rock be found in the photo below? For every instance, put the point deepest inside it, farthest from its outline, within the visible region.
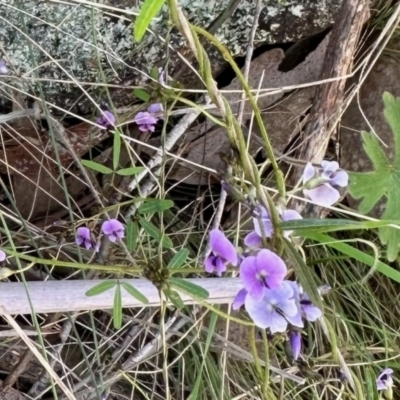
(61, 47)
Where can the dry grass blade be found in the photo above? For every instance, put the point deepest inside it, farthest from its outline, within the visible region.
(32, 347)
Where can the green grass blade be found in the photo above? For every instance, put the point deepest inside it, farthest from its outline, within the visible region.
(148, 11)
(117, 310)
(134, 292)
(101, 288)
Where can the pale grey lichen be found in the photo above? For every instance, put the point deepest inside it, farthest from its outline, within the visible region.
(93, 44)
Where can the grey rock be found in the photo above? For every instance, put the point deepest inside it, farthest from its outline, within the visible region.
(68, 51)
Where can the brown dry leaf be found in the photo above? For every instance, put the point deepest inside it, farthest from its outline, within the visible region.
(385, 76)
(29, 158)
(205, 150)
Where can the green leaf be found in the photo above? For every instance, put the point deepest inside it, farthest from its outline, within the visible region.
(132, 231)
(175, 298)
(101, 288)
(134, 292)
(332, 225)
(178, 259)
(384, 181)
(155, 205)
(303, 274)
(116, 149)
(129, 171)
(189, 288)
(154, 73)
(142, 95)
(96, 167)
(356, 254)
(148, 11)
(117, 310)
(155, 233)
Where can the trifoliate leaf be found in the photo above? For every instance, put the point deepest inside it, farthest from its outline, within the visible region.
(384, 181)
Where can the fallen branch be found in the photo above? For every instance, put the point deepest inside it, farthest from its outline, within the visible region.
(69, 296)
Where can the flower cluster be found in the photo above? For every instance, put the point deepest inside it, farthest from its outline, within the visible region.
(270, 300)
(146, 120)
(112, 228)
(263, 225)
(321, 188)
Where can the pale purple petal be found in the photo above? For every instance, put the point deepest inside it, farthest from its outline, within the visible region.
(385, 372)
(289, 308)
(155, 108)
(324, 195)
(297, 319)
(2, 256)
(329, 167)
(145, 118)
(106, 119)
(295, 289)
(380, 385)
(3, 68)
(290, 215)
(253, 240)
(295, 344)
(248, 275)
(385, 380)
(311, 312)
(147, 128)
(222, 247)
(341, 178)
(209, 264)
(273, 266)
(267, 227)
(84, 232)
(309, 172)
(239, 300)
(277, 323)
(259, 311)
(220, 266)
(281, 293)
(261, 212)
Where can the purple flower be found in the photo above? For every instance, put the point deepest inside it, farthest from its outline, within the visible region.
(113, 229)
(254, 238)
(2, 256)
(156, 108)
(385, 380)
(3, 68)
(106, 120)
(265, 270)
(238, 301)
(147, 120)
(222, 253)
(84, 237)
(321, 188)
(276, 308)
(295, 344)
(306, 308)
